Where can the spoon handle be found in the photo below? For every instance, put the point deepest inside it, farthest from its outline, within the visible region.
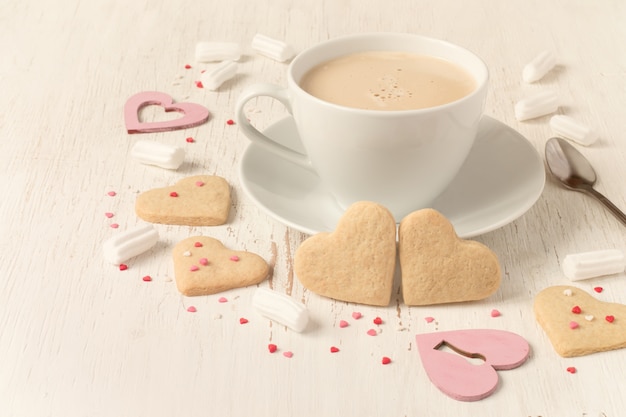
(607, 203)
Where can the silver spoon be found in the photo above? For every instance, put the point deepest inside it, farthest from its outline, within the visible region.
(575, 172)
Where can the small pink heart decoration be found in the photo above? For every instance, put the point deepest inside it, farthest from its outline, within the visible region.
(193, 114)
(454, 375)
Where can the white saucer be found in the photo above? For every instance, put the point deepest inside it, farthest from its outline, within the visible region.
(501, 179)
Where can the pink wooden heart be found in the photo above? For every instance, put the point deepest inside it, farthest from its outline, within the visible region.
(458, 378)
(193, 114)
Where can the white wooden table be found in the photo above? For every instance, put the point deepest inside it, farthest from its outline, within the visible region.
(78, 337)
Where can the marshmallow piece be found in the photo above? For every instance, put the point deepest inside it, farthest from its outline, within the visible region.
(539, 66)
(158, 154)
(214, 78)
(217, 51)
(281, 308)
(569, 128)
(586, 265)
(130, 243)
(272, 48)
(538, 105)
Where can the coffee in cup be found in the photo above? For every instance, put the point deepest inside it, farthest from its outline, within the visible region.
(378, 146)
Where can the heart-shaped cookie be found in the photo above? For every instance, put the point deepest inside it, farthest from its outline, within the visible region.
(578, 324)
(203, 266)
(201, 200)
(356, 261)
(454, 375)
(439, 267)
(193, 114)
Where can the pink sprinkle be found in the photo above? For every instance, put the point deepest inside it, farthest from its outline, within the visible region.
(495, 313)
(222, 300)
(191, 309)
(598, 289)
(386, 360)
(243, 320)
(343, 323)
(199, 183)
(190, 140)
(114, 225)
(123, 267)
(288, 354)
(198, 244)
(147, 278)
(193, 268)
(187, 66)
(372, 332)
(378, 321)
(573, 325)
(203, 261)
(109, 215)
(356, 315)
(112, 193)
(429, 319)
(334, 349)
(234, 258)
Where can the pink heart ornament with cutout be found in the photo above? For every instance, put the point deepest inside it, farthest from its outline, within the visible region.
(454, 375)
(193, 114)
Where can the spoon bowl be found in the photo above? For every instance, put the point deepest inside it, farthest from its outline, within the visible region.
(575, 172)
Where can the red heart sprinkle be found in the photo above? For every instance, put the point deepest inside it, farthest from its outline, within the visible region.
(187, 66)
(576, 310)
(378, 320)
(123, 267)
(272, 348)
(386, 360)
(230, 122)
(147, 278)
(571, 370)
(598, 289)
(173, 194)
(334, 349)
(610, 319)
(198, 244)
(243, 320)
(199, 84)
(190, 140)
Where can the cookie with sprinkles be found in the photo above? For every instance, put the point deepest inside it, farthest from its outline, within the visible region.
(201, 200)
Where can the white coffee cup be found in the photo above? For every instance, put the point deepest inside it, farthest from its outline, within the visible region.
(401, 159)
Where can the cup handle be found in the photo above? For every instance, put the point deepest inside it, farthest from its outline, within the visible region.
(255, 136)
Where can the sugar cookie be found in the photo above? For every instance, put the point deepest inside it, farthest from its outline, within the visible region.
(202, 200)
(203, 266)
(356, 262)
(439, 267)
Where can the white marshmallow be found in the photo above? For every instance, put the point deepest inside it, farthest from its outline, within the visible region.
(158, 154)
(569, 128)
(130, 243)
(217, 51)
(540, 104)
(539, 66)
(586, 265)
(214, 78)
(272, 48)
(281, 308)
